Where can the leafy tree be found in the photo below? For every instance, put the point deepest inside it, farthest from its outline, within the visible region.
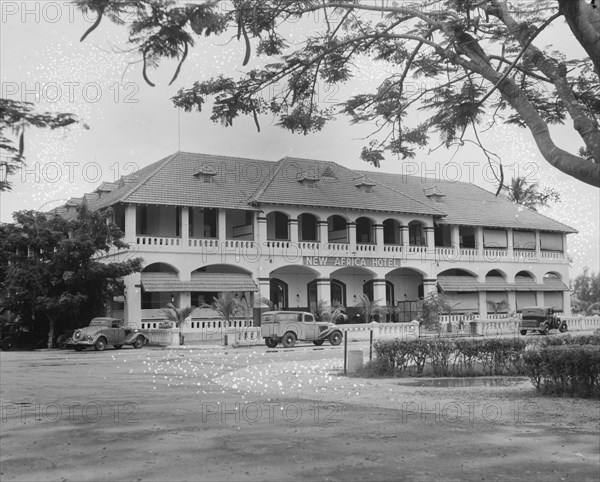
(586, 290)
(480, 60)
(51, 268)
(498, 306)
(529, 195)
(178, 316)
(16, 116)
(431, 307)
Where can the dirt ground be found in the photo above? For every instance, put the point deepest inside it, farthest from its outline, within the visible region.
(258, 414)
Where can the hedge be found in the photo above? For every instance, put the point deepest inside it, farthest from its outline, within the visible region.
(570, 369)
(567, 364)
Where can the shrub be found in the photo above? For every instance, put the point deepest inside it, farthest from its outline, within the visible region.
(572, 370)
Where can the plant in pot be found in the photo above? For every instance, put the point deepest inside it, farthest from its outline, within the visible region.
(369, 309)
(178, 316)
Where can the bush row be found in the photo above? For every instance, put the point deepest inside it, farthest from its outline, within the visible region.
(572, 369)
(450, 357)
(465, 356)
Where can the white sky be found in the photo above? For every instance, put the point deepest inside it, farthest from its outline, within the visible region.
(133, 124)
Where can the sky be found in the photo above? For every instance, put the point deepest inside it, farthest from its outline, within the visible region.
(132, 124)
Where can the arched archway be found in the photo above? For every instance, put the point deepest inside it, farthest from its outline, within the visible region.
(525, 285)
(337, 293)
(277, 226)
(416, 234)
(337, 229)
(153, 278)
(392, 232)
(365, 230)
(278, 293)
(308, 227)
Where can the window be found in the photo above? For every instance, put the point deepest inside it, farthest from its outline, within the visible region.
(416, 235)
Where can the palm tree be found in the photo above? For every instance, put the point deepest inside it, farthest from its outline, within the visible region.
(178, 316)
(498, 306)
(368, 309)
(227, 307)
(529, 195)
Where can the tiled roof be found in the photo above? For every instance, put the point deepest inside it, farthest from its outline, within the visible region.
(153, 282)
(470, 284)
(241, 183)
(468, 204)
(337, 192)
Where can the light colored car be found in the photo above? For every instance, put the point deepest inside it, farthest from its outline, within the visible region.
(104, 331)
(288, 327)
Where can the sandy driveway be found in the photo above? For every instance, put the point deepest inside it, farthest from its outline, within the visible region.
(251, 415)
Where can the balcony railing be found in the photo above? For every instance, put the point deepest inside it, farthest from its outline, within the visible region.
(340, 249)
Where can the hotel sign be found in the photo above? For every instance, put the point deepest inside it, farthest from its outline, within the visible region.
(346, 261)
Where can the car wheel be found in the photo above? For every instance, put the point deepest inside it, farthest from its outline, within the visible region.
(61, 342)
(545, 328)
(8, 344)
(318, 342)
(289, 340)
(78, 348)
(118, 347)
(335, 338)
(271, 343)
(563, 327)
(100, 344)
(523, 332)
(138, 343)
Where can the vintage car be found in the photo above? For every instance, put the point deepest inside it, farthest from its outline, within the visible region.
(289, 326)
(13, 335)
(104, 331)
(541, 319)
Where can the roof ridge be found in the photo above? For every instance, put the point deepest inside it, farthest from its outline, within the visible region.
(262, 188)
(413, 199)
(162, 163)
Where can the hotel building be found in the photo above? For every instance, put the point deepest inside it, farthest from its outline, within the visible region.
(298, 231)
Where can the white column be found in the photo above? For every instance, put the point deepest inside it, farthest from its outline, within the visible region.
(264, 288)
(510, 240)
(222, 225)
(379, 237)
(185, 299)
(430, 237)
(539, 298)
(565, 252)
(293, 230)
(262, 229)
(323, 232)
(538, 246)
(512, 300)
(455, 236)
(483, 305)
(351, 225)
(429, 286)
(130, 223)
(405, 237)
(479, 240)
(379, 292)
(324, 290)
(185, 226)
(567, 303)
(133, 298)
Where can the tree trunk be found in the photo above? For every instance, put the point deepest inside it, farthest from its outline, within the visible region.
(50, 332)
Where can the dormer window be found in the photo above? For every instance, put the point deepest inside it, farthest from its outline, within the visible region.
(365, 184)
(434, 194)
(308, 180)
(206, 173)
(328, 172)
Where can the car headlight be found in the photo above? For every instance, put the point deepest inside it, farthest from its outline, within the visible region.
(77, 335)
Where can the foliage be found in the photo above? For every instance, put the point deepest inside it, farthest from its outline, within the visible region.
(177, 315)
(572, 370)
(369, 309)
(227, 306)
(520, 191)
(498, 306)
(586, 292)
(324, 312)
(51, 269)
(16, 116)
(462, 66)
(431, 307)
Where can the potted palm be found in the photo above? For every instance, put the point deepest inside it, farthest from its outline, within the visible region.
(369, 309)
(178, 316)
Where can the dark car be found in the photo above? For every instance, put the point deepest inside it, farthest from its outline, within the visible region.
(13, 335)
(541, 319)
(106, 331)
